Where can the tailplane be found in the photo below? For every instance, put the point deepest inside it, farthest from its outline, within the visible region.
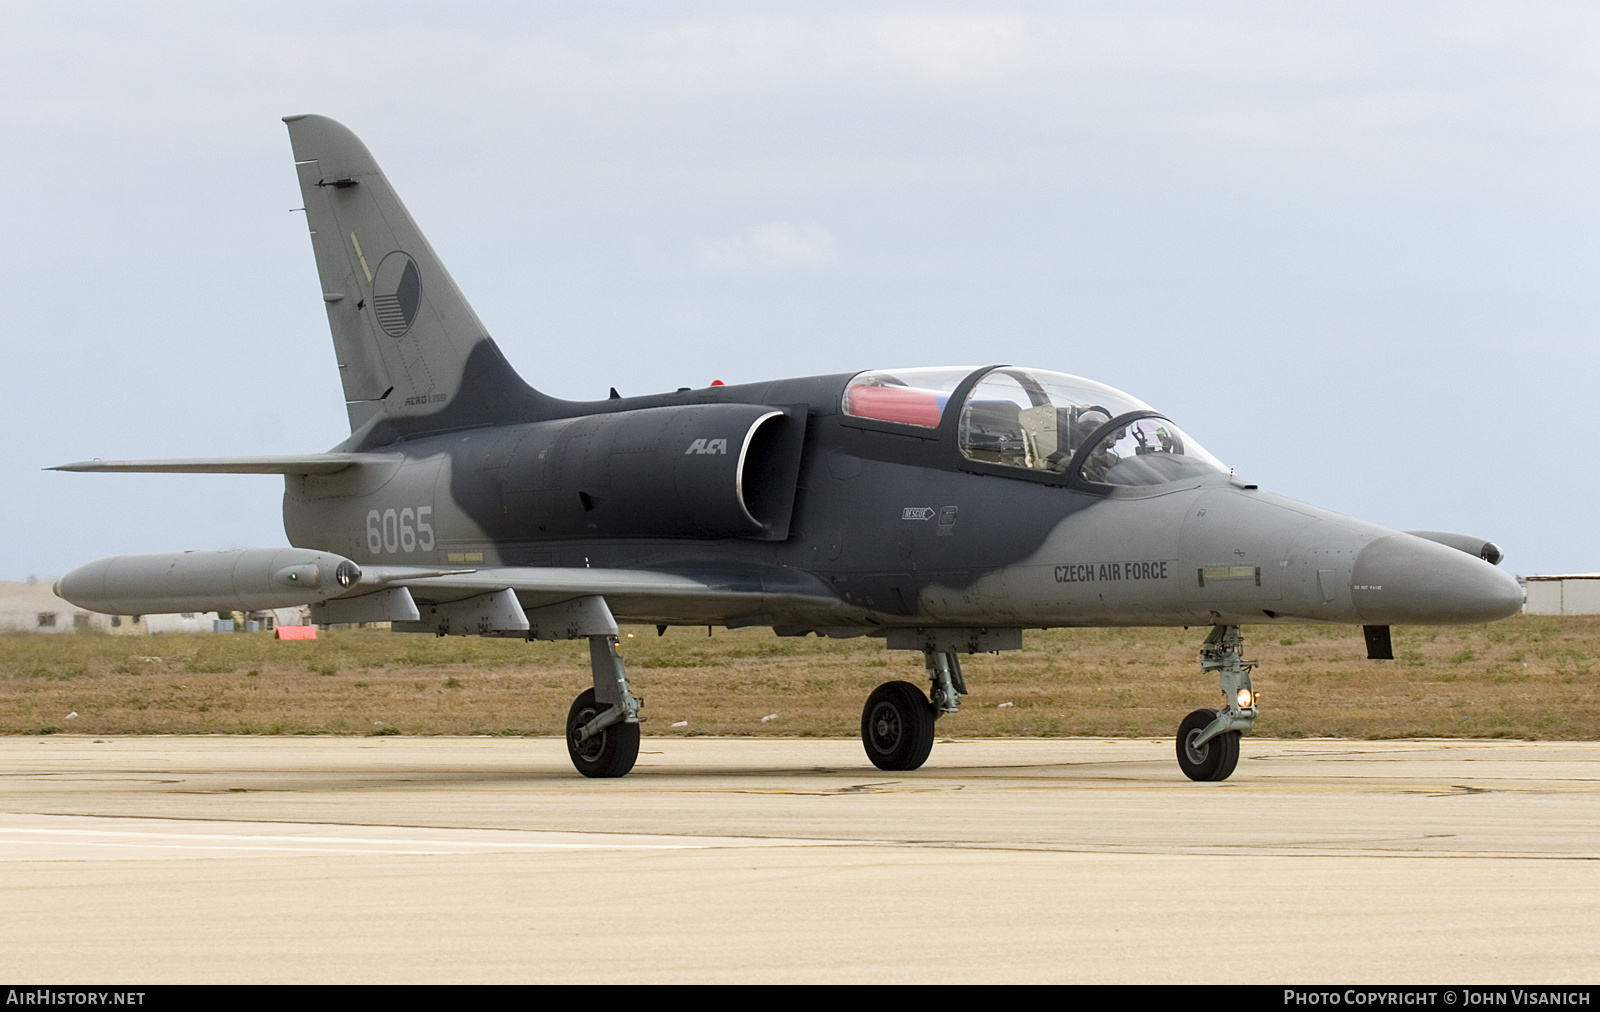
(413, 356)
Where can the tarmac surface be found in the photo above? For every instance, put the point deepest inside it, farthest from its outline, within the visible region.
(437, 860)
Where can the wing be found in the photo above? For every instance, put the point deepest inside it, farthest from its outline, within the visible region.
(496, 600)
(754, 595)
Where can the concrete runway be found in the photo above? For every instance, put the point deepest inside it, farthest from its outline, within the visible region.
(213, 859)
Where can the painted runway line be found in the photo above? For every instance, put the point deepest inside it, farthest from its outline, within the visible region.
(97, 838)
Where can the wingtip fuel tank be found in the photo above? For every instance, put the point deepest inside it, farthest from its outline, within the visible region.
(243, 579)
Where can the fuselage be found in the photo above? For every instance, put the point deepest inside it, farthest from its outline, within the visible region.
(882, 524)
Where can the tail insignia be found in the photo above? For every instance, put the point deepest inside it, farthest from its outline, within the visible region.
(396, 293)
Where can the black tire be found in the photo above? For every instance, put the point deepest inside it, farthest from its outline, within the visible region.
(1216, 759)
(897, 726)
(611, 753)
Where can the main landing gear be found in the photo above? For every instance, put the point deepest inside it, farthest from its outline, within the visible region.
(1208, 740)
(603, 724)
(897, 722)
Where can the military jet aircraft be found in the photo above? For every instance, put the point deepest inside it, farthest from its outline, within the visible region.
(944, 510)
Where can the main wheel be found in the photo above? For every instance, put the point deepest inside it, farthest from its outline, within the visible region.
(897, 726)
(1214, 760)
(611, 753)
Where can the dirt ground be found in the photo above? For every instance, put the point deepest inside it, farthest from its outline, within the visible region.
(1530, 677)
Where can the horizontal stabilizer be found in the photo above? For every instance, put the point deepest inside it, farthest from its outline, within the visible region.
(303, 463)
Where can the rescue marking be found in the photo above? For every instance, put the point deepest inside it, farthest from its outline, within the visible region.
(917, 513)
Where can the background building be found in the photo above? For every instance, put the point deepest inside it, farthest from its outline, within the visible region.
(1571, 594)
(33, 607)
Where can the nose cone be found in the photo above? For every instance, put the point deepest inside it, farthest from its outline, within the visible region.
(1404, 580)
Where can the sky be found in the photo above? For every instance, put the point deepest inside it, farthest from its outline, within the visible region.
(1349, 247)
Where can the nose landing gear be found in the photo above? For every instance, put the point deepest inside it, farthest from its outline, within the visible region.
(1208, 740)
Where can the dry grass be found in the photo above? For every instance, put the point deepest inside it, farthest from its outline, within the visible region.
(1527, 677)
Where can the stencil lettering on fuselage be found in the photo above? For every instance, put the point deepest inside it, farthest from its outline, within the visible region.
(1113, 572)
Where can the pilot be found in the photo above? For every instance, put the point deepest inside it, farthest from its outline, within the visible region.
(1169, 442)
(1103, 459)
(1085, 425)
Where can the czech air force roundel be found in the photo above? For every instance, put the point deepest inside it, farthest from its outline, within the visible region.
(396, 293)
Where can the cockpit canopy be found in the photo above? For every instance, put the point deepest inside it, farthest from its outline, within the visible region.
(1038, 420)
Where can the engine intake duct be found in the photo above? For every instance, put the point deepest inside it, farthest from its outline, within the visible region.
(696, 471)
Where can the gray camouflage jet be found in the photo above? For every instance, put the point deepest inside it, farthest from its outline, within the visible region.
(942, 509)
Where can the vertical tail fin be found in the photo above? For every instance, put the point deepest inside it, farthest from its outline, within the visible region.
(413, 356)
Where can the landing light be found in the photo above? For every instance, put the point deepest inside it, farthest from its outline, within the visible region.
(1245, 699)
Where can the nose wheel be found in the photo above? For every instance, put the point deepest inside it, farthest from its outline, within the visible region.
(1206, 760)
(897, 726)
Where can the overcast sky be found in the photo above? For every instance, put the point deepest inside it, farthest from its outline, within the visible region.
(1350, 247)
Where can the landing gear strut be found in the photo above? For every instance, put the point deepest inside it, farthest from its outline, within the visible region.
(603, 724)
(944, 678)
(1208, 740)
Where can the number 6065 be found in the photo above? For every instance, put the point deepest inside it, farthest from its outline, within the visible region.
(403, 530)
